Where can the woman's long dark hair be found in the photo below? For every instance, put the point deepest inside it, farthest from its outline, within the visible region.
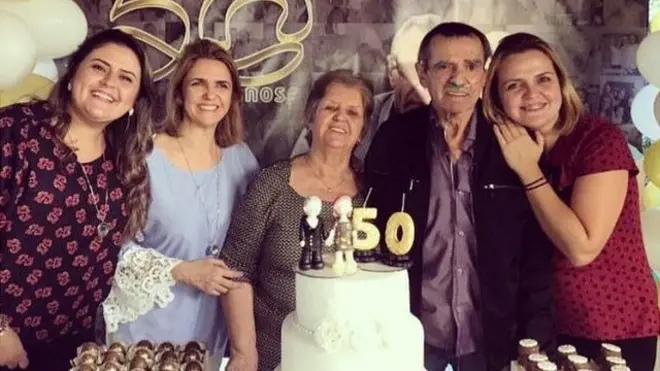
(129, 138)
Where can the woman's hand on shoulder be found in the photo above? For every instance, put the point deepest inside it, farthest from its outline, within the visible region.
(209, 275)
(520, 150)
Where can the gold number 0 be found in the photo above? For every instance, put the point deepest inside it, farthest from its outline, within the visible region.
(398, 220)
(403, 221)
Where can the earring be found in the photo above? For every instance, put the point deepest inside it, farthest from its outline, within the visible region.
(128, 120)
(68, 87)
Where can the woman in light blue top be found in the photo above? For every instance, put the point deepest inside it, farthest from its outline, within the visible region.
(166, 287)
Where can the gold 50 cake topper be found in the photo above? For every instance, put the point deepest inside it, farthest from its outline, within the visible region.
(399, 231)
(286, 42)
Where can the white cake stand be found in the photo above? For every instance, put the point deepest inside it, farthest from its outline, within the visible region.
(379, 267)
(326, 272)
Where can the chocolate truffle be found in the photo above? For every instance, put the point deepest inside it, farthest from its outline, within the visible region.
(168, 357)
(88, 346)
(143, 353)
(193, 366)
(117, 348)
(192, 355)
(168, 367)
(110, 366)
(114, 357)
(91, 348)
(165, 346)
(139, 362)
(85, 368)
(86, 359)
(194, 345)
(144, 344)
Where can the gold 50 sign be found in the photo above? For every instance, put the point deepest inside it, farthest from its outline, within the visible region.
(286, 42)
(399, 231)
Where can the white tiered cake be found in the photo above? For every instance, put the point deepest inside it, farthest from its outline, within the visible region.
(353, 323)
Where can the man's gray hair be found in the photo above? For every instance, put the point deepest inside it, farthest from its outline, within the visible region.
(407, 39)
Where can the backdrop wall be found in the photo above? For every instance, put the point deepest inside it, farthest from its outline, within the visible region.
(282, 45)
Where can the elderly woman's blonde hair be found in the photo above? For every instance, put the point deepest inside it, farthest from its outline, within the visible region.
(571, 106)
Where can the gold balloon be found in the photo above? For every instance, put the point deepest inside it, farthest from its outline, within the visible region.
(652, 163)
(651, 196)
(650, 219)
(33, 86)
(654, 25)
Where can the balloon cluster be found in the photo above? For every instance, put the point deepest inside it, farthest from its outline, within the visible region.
(32, 34)
(645, 113)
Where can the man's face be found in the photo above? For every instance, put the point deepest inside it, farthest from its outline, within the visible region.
(454, 73)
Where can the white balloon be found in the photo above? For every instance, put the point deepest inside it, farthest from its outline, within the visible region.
(18, 52)
(642, 112)
(46, 68)
(647, 58)
(656, 107)
(57, 26)
(494, 38)
(650, 223)
(636, 154)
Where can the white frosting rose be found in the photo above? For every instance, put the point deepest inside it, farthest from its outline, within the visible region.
(330, 335)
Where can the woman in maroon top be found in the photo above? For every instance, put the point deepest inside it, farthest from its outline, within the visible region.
(73, 183)
(586, 200)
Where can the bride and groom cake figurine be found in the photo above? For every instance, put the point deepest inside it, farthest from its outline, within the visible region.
(313, 237)
(343, 237)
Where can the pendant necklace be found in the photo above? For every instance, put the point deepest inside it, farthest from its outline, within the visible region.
(103, 228)
(212, 248)
(328, 188)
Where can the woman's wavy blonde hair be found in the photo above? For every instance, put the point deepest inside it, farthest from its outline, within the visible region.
(571, 107)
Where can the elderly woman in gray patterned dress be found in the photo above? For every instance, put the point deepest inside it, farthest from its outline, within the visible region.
(263, 240)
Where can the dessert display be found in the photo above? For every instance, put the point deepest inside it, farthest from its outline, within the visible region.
(142, 356)
(567, 359)
(526, 347)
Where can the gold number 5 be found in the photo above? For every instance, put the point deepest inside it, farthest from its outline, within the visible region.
(360, 224)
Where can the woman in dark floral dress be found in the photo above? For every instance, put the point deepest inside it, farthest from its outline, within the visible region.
(73, 183)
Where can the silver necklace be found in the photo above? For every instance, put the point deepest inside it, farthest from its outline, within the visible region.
(102, 228)
(212, 248)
